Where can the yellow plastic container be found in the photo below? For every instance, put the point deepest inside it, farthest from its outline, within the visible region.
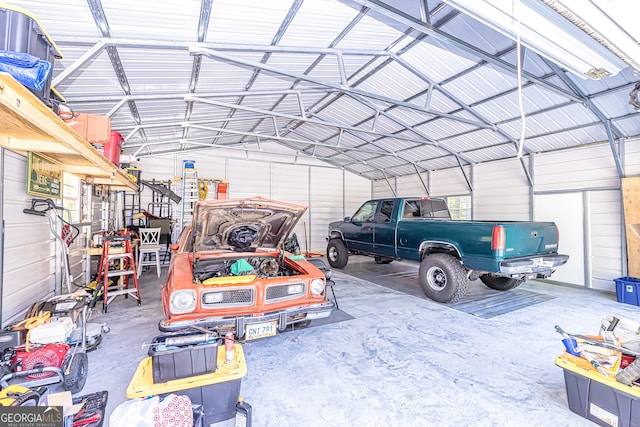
(596, 397)
(217, 392)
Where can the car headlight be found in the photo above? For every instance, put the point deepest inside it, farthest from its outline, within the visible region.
(317, 287)
(183, 301)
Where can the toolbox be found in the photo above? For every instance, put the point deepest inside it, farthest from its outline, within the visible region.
(171, 362)
(217, 392)
(94, 128)
(599, 398)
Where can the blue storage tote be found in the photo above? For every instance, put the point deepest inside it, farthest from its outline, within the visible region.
(627, 289)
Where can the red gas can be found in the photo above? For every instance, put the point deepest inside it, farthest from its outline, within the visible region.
(113, 148)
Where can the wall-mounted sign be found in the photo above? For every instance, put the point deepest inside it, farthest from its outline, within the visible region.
(44, 176)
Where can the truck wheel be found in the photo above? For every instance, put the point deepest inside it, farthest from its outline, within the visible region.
(443, 278)
(500, 283)
(337, 253)
(383, 260)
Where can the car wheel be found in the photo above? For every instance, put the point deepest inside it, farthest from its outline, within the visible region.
(500, 283)
(337, 253)
(442, 278)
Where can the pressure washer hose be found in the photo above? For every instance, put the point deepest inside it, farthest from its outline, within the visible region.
(31, 323)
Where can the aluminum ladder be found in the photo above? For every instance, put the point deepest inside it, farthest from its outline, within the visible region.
(190, 194)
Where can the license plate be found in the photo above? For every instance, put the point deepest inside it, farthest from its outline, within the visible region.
(259, 330)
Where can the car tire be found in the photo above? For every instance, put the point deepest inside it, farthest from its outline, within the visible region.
(337, 253)
(500, 283)
(443, 278)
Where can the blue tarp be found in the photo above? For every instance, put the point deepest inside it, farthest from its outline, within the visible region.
(27, 69)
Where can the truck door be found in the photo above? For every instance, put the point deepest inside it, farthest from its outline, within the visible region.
(358, 233)
(384, 237)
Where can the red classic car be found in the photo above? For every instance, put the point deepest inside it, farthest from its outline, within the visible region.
(229, 271)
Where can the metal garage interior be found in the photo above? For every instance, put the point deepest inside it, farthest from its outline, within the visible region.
(517, 110)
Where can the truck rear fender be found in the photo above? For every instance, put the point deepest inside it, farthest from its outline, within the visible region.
(433, 246)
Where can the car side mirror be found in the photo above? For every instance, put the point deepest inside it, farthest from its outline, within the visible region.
(174, 247)
(347, 219)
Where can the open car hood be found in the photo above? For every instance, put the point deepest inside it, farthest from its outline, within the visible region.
(243, 224)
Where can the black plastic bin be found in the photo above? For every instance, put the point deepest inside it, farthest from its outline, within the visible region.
(21, 32)
(176, 362)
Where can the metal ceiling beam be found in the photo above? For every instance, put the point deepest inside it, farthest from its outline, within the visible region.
(100, 19)
(423, 27)
(297, 118)
(612, 131)
(265, 137)
(203, 28)
(181, 95)
(86, 57)
(196, 50)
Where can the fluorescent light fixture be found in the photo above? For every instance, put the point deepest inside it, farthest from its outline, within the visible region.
(561, 38)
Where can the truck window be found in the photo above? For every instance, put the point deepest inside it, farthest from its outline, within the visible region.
(366, 212)
(385, 211)
(425, 208)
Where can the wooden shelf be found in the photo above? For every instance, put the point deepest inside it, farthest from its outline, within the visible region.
(26, 124)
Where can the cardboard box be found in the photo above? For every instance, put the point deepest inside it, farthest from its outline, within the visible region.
(600, 399)
(65, 400)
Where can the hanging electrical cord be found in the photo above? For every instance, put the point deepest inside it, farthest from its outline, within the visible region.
(523, 119)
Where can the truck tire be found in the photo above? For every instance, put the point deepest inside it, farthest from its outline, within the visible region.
(443, 278)
(500, 283)
(337, 253)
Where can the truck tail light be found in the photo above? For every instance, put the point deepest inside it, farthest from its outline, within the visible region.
(498, 238)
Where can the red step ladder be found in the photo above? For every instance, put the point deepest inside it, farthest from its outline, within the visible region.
(117, 249)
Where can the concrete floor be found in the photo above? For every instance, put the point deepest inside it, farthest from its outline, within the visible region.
(391, 357)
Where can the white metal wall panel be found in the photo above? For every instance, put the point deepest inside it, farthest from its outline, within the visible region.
(410, 185)
(29, 248)
(357, 190)
(248, 178)
(450, 182)
(501, 191)
(291, 184)
(326, 194)
(632, 157)
(381, 188)
(578, 168)
(606, 239)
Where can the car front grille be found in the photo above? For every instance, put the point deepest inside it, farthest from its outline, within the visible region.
(281, 292)
(230, 298)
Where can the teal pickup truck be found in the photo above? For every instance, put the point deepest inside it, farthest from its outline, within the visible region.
(502, 254)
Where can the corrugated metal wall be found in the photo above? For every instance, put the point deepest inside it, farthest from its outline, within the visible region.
(501, 191)
(327, 192)
(29, 247)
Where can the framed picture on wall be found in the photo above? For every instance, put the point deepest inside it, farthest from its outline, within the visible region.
(44, 176)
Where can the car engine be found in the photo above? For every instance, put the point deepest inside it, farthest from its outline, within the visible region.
(260, 266)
